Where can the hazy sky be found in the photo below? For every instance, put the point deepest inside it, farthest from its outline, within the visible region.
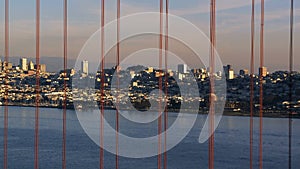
(233, 26)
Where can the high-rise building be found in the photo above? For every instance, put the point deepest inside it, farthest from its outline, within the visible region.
(1, 66)
(6, 65)
(43, 68)
(85, 67)
(9, 65)
(182, 68)
(231, 74)
(198, 71)
(244, 72)
(150, 70)
(227, 72)
(31, 65)
(23, 64)
(263, 71)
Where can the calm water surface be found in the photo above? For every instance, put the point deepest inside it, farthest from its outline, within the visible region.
(231, 143)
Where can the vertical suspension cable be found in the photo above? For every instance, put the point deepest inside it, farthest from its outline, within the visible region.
(252, 82)
(101, 165)
(166, 84)
(291, 80)
(261, 85)
(118, 82)
(6, 84)
(65, 83)
(212, 90)
(160, 85)
(37, 100)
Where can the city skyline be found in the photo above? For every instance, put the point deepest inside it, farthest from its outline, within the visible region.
(142, 82)
(54, 66)
(26, 64)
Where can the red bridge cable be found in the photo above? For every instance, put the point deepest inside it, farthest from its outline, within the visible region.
(65, 83)
(291, 80)
(36, 138)
(6, 84)
(261, 86)
(101, 164)
(160, 86)
(212, 90)
(166, 84)
(118, 82)
(252, 82)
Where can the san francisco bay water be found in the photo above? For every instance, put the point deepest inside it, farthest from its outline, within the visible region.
(231, 142)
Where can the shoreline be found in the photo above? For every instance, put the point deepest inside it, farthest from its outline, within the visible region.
(225, 113)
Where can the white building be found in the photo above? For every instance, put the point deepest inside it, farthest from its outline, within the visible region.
(31, 65)
(182, 68)
(231, 74)
(23, 64)
(85, 67)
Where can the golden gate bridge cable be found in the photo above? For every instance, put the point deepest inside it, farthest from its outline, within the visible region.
(6, 52)
(101, 163)
(160, 85)
(166, 85)
(65, 50)
(261, 86)
(37, 100)
(291, 60)
(252, 82)
(212, 65)
(118, 83)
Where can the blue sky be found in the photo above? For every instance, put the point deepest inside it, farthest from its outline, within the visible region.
(233, 26)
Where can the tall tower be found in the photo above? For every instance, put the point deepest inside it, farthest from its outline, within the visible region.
(231, 74)
(182, 68)
(85, 67)
(31, 65)
(23, 64)
(263, 71)
(1, 66)
(43, 68)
